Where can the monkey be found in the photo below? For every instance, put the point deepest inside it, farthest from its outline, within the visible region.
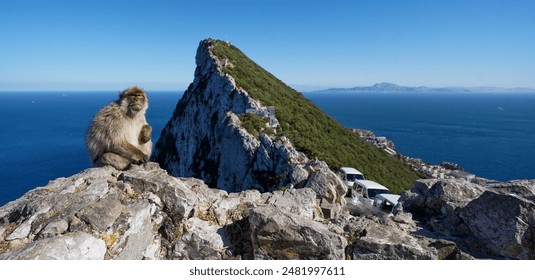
(119, 134)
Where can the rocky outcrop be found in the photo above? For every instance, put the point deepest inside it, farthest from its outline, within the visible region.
(505, 223)
(144, 213)
(205, 139)
(497, 221)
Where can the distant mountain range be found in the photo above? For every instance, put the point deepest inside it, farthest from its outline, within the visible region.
(393, 88)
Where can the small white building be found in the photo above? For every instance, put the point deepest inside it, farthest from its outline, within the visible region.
(463, 175)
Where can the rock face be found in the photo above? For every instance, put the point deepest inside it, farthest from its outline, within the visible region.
(490, 222)
(205, 139)
(143, 213)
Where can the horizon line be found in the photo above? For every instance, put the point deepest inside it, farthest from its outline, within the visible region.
(298, 87)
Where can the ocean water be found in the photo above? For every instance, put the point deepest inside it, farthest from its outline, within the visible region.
(42, 135)
(490, 135)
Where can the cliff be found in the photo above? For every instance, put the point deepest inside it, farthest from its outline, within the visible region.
(144, 213)
(238, 127)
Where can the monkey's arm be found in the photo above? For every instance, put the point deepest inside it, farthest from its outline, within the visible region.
(145, 134)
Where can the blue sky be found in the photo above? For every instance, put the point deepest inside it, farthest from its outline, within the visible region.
(107, 45)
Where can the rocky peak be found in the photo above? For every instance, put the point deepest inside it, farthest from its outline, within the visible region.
(206, 138)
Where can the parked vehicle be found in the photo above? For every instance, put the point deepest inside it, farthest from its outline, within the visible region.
(368, 190)
(349, 175)
(386, 201)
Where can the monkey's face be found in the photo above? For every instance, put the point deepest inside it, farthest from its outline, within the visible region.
(136, 103)
(133, 100)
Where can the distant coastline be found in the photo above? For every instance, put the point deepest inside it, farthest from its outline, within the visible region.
(393, 88)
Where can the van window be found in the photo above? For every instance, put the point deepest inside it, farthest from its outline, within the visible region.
(353, 177)
(372, 193)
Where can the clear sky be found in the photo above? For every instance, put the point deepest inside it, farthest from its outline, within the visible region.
(108, 44)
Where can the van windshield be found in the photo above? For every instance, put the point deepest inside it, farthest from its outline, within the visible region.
(353, 177)
(372, 193)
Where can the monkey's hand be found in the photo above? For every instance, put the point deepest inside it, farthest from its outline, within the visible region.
(145, 134)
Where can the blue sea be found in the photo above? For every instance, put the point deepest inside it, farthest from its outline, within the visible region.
(42, 135)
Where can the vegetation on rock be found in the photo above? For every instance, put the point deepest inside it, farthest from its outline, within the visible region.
(309, 128)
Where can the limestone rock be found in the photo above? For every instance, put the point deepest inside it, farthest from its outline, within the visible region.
(390, 243)
(487, 222)
(144, 213)
(505, 223)
(300, 202)
(326, 183)
(205, 139)
(201, 240)
(279, 235)
(74, 246)
(140, 213)
(439, 196)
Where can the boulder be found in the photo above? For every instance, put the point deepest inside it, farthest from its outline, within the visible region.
(437, 203)
(326, 183)
(504, 223)
(72, 246)
(280, 235)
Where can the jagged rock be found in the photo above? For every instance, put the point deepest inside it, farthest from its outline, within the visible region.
(205, 139)
(54, 228)
(281, 235)
(493, 222)
(147, 214)
(522, 188)
(439, 196)
(142, 213)
(505, 223)
(438, 202)
(201, 240)
(371, 238)
(140, 233)
(326, 183)
(73, 246)
(394, 237)
(300, 202)
(102, 213)
(390, 244)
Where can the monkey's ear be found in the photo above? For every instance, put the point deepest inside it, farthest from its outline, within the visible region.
(123, 94)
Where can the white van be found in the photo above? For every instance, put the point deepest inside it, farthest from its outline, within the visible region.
(368, 190)
(349, 175)
(386, 201)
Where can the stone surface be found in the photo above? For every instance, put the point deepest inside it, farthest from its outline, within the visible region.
(201, 240)
(148, 214)
(74, 246)
(505, 223)
(143, 213)
(496, 221)
(281, 235)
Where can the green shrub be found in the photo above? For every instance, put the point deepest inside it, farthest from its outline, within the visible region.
(309, 128)
(254, 124)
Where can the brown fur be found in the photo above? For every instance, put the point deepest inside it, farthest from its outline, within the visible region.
(119, 134)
